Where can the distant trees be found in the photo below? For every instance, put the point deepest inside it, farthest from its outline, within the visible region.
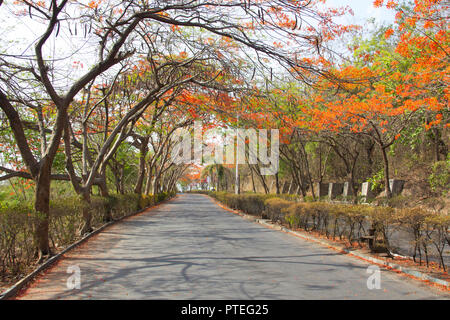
(391, 90)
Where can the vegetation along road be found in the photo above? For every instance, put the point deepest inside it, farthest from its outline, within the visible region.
(190, 248)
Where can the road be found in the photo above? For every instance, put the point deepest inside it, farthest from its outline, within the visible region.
(190, 248)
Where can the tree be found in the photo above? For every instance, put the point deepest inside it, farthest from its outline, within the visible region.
(40, 74)
(119, 29)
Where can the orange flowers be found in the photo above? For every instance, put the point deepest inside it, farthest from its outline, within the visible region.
(389, 32)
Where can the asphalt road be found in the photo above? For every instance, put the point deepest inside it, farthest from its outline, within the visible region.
(190, 248)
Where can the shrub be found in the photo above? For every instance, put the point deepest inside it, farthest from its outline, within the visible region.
(274, 207)
(233, 201)
(147, 200)
(65, 220)
(317, 215)
(398, 201)
(437, 232)
(17, 247)
(125, 204)
(161, 196)
(440, 177)
(299, 214)
(354, 217)
(290, 197)
(347, 221)
(413, 219)
(383, 221)
(252, 203)
(295, 215)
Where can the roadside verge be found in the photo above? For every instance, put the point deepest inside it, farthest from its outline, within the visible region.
(415, 274)
(13, 290)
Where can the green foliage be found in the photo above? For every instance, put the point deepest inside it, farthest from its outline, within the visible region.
(161, 196)
(377, 180)
(250, 203)
(17, 220)
(16, 245)
(146, 200)
(440, 177)
(253, 203)
(398, 201)
(3, 196)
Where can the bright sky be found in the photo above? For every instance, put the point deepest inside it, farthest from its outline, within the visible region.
(14, 29)
(363, 10)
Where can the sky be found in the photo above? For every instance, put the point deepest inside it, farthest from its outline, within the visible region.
(15, 29)
(363, 10)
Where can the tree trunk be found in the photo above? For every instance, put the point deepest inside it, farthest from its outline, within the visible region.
(87, 216)
(369, 148)
(122, 180)
(308, 171)
(141, 174)
(115, 171)
(262, 179)
(217, 182)
(387, 188)
(140, 180)
(105, 194)
(148, 181)
(156, 185)
(436, 144)
(253, 181)
(297, 176)
(42, 207)
(277, 183)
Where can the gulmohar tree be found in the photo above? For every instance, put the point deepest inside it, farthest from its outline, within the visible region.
(46, 98)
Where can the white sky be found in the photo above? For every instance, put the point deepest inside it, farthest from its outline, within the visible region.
(363, 10)
(15, 29)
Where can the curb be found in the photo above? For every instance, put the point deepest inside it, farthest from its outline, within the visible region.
(383, 263)
(12, 291)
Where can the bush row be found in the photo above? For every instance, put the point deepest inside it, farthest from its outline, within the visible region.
(17, 247)
(251, 203)
(353, 223)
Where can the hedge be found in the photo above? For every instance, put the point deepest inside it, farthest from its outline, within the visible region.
(17, 247)
(349, 222)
